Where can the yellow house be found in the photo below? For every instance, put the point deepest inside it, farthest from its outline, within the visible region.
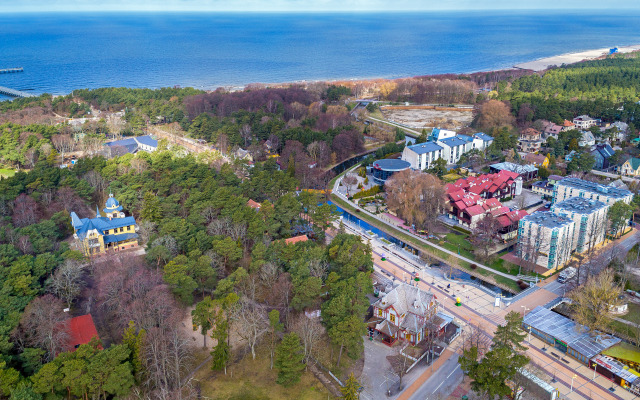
(631, 167)
(100, 234)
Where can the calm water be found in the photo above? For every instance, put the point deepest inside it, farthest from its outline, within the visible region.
(62, 52)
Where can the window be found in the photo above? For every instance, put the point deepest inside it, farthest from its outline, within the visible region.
(120, 229)
(379, 312)
(393, 318)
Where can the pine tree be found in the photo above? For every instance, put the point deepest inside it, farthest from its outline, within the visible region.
(501, 363)
(289, 358)
(350, 389)
(134, 342)
(150, 208)
(511, 334)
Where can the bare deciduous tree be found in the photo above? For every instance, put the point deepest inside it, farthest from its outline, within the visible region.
(592, 303)
(67, 281)
(44, 325)
(416, 196)
(350, 180)
(252, 323)
(310, 331)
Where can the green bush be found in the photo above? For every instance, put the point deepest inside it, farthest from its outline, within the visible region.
(366, 193)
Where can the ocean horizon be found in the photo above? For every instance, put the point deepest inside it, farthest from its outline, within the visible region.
(61, 52)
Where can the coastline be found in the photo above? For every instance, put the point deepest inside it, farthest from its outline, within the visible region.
(572, 58)
(537, 65)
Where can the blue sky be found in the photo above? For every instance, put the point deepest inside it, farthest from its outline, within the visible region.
(306, 5)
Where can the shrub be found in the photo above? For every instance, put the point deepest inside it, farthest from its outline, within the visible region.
(474, 266)
(523, 285)
(366, 193)
(359, 186)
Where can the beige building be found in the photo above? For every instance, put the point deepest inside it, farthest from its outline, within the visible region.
(631, 167)
(546, 239)
(590, 217)
(574, 187)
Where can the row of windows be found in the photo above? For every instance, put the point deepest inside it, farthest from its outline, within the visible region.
(120, 230)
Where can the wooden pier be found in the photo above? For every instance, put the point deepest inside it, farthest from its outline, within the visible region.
(11, 70)
(14, 93)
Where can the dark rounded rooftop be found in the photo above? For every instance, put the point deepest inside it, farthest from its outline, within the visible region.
(390, 164)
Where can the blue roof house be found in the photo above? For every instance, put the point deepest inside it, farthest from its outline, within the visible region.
(133, 145)
(99, 235)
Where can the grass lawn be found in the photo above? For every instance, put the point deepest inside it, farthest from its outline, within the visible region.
(451, 177)
(253, 380)
(634, 310)
(7, 173)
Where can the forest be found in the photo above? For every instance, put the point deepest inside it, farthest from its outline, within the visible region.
(205, 247)
(605, 88)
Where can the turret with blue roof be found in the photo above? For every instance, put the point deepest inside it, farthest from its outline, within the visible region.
(112, 205)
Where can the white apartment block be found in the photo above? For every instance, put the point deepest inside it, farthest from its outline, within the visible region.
(574, 187)
(454, 148)
(421, 156)
(546, 239)
(590, 217)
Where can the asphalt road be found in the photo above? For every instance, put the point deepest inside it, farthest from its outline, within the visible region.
(443, 381)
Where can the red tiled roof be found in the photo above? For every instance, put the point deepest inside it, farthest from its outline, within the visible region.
(499, 211)
(296, 239)
(475, 210)
(511, 217)
(253, 204)
(567, 123)
(81, 330)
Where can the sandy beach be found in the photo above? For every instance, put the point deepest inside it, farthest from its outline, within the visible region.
(570, 58)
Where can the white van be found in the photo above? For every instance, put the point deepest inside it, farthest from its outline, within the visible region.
(567, 274)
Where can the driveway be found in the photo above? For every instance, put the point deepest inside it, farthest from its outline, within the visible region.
(376, 376)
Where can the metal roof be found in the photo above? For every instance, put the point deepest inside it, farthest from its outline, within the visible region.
(453, 141)
(572, 334)
(422, 148)
(594, 188)
(147, 140)
(579, 205)
(482, 136)
(508, 166)
(391, 164)
(548, 219)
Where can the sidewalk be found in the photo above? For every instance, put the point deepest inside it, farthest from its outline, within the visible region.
(425, 376)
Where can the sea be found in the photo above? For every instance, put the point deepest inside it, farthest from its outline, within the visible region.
(61, 52)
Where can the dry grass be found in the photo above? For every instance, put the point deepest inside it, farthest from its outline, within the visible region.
(253, 380)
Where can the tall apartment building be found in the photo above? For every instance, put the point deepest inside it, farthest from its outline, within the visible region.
(574, 187)
(590, 217)
(546, 239)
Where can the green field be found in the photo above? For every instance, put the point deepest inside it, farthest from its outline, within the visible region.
(253, 380)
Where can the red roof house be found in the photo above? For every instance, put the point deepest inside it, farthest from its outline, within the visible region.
(81, 330)
(475, 198)
(296, 239)
(254, 204)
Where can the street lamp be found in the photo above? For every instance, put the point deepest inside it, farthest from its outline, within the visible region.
(524, 312)
(594, 371)
(572, 378)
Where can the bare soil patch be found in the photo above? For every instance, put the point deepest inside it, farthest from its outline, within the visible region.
(423, 118)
